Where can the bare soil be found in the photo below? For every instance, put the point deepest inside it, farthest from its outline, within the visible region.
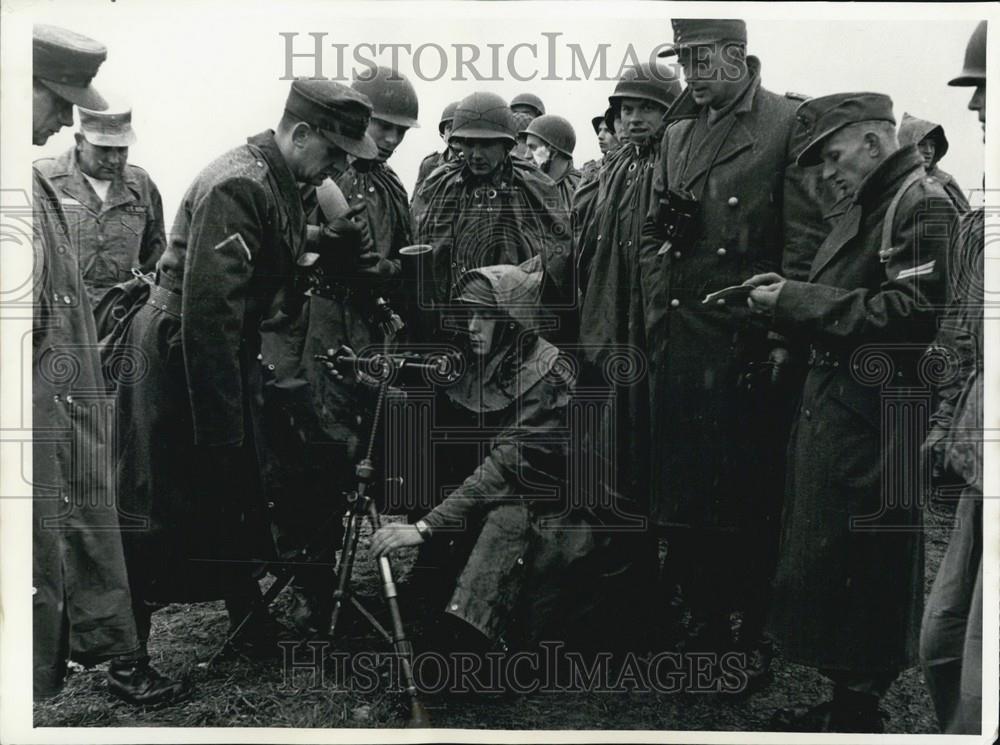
(241, 692)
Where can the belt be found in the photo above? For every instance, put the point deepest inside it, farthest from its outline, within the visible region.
(823, 358)
(163, 299)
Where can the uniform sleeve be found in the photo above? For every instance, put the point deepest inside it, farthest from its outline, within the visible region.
(903, 308)
(527, 461)
(959, 338)
(154, 239)
(224, 242)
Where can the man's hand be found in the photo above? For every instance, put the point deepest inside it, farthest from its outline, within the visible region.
(340, 241)
(391, 538)
(764, 295)
(371, 264)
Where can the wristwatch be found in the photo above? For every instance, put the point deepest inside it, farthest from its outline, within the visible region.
(424, 529)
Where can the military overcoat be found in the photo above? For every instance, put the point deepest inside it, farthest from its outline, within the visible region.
(716, 461)
(188, 460)
(80, 597)
(849, 585)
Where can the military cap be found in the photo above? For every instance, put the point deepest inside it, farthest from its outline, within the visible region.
(826, 115)
(528, 99)
(692, 32)
(65, 62)
(974, 69)
(107, 129)
(339, 113)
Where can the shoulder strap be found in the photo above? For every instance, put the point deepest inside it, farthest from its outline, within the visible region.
(890, 214)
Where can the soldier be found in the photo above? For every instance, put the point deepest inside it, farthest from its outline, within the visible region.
(318, 426)
(527, 103)
(435, 159)
(526, 107)
(518, 562)
(81, 597)
(849, 583)
(551, 140)
(728, 200)
(190, 469)
(610, 231)
(610, 213)
(373, 184)
(951, 637)
(606, 141)
(489, 208)
(113, 206)
(932, 145)
(521, 121)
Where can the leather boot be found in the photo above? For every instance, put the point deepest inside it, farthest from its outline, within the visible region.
(139, 683)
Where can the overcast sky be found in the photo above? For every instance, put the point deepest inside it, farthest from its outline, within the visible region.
(204, 75)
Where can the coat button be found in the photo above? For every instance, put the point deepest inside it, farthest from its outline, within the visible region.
(371, 188)
(721, 252)
(520, 560)
(733, 202)
(67, 299)
(675, 303)
(69, 399)
(454, 606)
(66, 500)
(808, 414)
(34, 590)
(270, 366)
(260, 163)
(677, 254)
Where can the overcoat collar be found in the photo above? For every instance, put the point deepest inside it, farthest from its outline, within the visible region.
(731, 125)
(879, 187)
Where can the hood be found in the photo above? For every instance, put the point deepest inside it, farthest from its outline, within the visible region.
(513, 365)
(912, 130)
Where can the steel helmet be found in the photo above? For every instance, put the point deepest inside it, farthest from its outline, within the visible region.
(974, 69)
(484, 116)
(606, 119)
(555, 131)
(393, 97)
(447, 115)
(528, 99)
(650, 82)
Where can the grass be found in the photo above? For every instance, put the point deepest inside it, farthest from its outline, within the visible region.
(246, 693)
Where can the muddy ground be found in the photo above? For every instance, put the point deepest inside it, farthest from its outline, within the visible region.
(240, 692)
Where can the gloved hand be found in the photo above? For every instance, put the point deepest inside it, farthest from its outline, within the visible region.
(371, 264)
(340, 241)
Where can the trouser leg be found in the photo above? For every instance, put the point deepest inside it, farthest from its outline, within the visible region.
(954, 608)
